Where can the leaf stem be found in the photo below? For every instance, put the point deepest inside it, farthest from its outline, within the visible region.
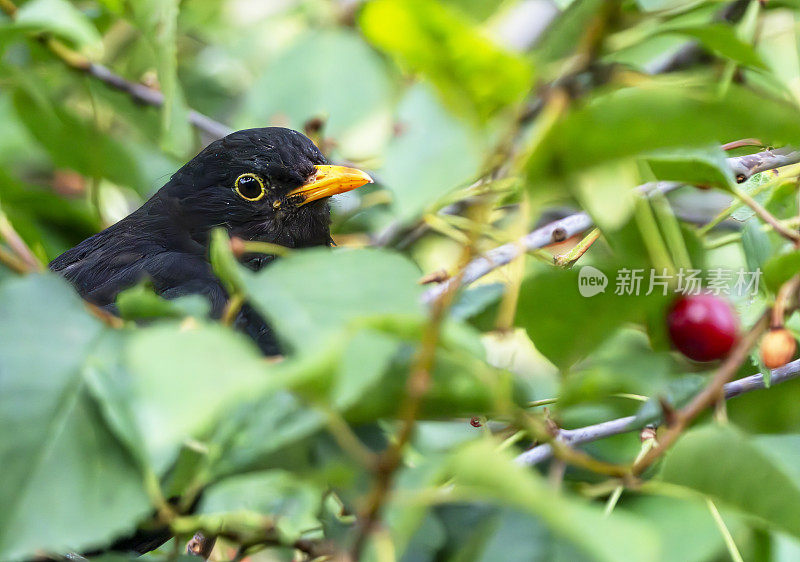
(723, 529)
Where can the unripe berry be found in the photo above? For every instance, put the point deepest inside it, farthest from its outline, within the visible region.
(777, 348)
(702, 327)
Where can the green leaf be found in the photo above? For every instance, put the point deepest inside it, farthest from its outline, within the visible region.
(657, 117)
(224, 263)
(743, 476)
(290, 503)
(311, 295)
(482, 472)
(68, 483)
(720, 39)
(663, 5)
(65, 137)
(60, 18)
(181, 380)
(428, 37)
(158, 21)
(606, 192)
(254, 434)
(756, 245)
(564, 35)
(350, 97)
(705, 166)
(677, 393)
(566, 326)
(140, 302)
(433, 154)
(685, 525)
(363, 365)
(779, 269)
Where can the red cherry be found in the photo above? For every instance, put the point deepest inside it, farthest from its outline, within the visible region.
(475, 422)
(703, 327)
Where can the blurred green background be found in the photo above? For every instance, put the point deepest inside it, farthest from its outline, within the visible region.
(480, 120)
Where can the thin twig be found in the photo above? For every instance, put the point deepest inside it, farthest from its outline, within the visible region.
(768, 217)
(627, 424)
(560, 230)
(18, 245)
(139, 93)
(569, 258)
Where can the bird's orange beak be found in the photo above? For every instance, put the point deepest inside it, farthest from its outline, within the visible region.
(329, 180)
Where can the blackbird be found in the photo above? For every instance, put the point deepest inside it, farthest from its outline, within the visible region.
(267, 184)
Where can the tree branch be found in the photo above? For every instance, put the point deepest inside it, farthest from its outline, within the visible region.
(139, 93)
(627, 424)
(743, 166)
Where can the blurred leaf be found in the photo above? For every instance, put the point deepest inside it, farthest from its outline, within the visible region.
(428, 37)
(482, 471)
(564, 35)
(183, 379)
(58, 17)
(348, 96)
(756, 245)
(659, 5)
(685, 525)
(475, 300)
(721, 39)
(607, 193)
(743, 476)
(158, 21)
(660, 116)
(254, 432)
(68, 484)
(705, 166)
(289, 502)
(141, 302)
(433, 154)
(364, 363)
(677, 393)
(777, 45)
(779, 269)
(224, 263)
(311, 295)
(566, 326)
(65, 137)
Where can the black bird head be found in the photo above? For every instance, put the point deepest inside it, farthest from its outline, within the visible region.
(270, 184)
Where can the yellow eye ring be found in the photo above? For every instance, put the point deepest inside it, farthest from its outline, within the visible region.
(246, 189)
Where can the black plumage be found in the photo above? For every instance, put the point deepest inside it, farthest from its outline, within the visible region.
(166, 239)
(269, 184)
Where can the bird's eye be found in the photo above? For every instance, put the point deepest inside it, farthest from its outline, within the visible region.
(250, 187)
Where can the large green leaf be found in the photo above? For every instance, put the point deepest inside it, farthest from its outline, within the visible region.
(707, 167)
(311, 295)
(158, 21)
(67, 482)
(661, 116)
(428, 37)
(564, 325)
(721, 39)
(349, 96)
(290, 503)
(67, 138)
(181, 380)
(433, 153)
(58, 17)
(482, 472)
(725, 464)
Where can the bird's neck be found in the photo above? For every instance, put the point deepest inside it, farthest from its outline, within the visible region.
(303, 227)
